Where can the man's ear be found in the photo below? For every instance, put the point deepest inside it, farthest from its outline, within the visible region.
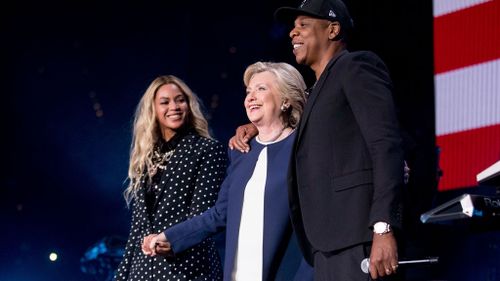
(333, 30)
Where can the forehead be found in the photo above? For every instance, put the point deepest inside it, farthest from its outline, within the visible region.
(302, 17)
(170, 90)
(262, 77)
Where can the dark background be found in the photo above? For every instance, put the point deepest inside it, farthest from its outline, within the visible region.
(72, 73)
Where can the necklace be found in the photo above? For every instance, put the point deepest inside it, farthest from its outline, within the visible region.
(274, 138)
(160, 160)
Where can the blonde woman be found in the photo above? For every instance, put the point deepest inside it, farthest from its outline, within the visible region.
(253, 202)
(175, 172)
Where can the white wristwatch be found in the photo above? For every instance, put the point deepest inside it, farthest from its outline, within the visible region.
(381, 228)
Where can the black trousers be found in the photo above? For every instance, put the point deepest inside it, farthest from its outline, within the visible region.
(345, 265)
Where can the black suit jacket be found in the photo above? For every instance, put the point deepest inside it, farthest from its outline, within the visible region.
(347, 163)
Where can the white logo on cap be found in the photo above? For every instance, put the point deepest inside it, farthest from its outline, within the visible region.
(302, 4)
(332, 14)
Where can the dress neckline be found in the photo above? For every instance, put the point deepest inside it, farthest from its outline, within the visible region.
(274, 141)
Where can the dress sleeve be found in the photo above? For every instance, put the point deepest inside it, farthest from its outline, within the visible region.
(380, 130)
(211, 171)
(192, 231)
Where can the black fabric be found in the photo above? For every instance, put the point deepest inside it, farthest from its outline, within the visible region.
(161, 148)
(346, 171)
(341, 265)
(333, 10)
(188, 188)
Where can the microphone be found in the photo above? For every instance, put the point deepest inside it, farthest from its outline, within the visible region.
(365, 263)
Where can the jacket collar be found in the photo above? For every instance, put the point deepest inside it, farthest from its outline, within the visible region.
(316, 91)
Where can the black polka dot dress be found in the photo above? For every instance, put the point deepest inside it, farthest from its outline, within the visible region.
(188, 185)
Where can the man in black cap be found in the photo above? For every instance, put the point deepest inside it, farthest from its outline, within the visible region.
(346, 171)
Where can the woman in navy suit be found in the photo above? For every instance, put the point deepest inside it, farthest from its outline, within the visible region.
(175, 172)
(253, 204)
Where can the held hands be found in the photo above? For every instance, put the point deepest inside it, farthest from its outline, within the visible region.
(156, 244)
(243, 134)
(383, 256)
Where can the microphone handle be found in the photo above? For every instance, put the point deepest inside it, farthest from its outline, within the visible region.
(429, 260)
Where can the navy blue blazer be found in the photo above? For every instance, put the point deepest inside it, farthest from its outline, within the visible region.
(226, 212)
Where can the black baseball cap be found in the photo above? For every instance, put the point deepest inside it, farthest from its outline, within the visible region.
(333, 10)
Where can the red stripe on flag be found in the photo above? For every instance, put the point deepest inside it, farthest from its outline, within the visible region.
(467, 37)
(465, 154)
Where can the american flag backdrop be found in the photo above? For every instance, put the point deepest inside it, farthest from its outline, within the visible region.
(467, 88)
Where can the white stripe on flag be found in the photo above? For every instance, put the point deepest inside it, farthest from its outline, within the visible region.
(468, 98)
(442, 7)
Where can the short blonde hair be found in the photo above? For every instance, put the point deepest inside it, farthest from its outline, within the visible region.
(290, 85)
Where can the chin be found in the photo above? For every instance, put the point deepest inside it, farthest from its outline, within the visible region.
(252, 117)
(253, 120)
(300, 60)
(176, 126)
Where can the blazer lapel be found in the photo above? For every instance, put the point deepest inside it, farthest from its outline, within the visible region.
(239, 179)
(315, 93)
(183, 150)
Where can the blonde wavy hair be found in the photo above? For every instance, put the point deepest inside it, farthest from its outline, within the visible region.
(290, 85)
(146, 130)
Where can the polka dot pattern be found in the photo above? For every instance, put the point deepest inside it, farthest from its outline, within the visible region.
(188, 187)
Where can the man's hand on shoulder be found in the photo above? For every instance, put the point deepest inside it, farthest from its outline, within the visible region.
(243, 134)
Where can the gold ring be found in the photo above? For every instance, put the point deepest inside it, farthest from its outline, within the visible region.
(394, 267)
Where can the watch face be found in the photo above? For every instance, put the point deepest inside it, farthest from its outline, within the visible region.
(381, 227)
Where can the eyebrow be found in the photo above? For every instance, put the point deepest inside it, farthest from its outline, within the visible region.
(179, 95)
(260, 84)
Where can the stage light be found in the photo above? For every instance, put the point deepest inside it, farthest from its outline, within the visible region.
(53, 257)
(102, 258)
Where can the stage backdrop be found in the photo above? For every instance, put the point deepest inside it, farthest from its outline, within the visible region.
(467, 88)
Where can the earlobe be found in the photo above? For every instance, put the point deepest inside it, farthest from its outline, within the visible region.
(284, 106)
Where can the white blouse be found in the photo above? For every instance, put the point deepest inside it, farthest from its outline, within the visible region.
(248, 259)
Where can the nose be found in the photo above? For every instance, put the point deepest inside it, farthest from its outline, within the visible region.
(293, 33)
(250, 96)
(173, 106)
